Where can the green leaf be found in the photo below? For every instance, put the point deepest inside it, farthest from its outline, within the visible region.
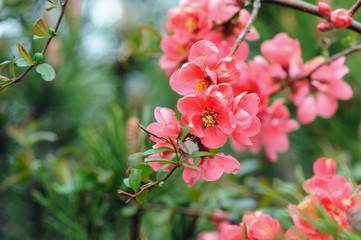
(40, 29)
(198, 154)
(22, 62)
(188, 146)
(195, 168)
(163, 160)
(12, 69)
(142, 198)
(135, 159)
(146, 169)
(157, 150)
(51, 8)
(3, 64)
(46, 71)
(134, 179)
(161, 169)
(126, 182)
(3, 78)
(183, 133)
(25, 54)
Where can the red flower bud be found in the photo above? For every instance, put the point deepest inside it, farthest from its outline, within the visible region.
(324, 26)
(324, 9)
(341, 18)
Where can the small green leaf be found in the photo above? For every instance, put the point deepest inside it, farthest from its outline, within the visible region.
(12, 69)
(146, 169)
(135, 159)
(25, 54)
(161, 184)
(3, 64)
(157, 150)
(40, 29)
(195, 168)
(163, 160)
(126, 182)
(134, 179)
(3, 78)
(189, 147)
(198, 154)
(22, 62)
(183, 133)
(143, 196)
(161, 169)
(46, 71)
(51, 8)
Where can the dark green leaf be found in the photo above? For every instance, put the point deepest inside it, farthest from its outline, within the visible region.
(46, 71)
(12, 69)
(3, 64)
(134, 179)
(135, 159)
(126, 182)
(40, 29)
(198, 154)
(161, 169)
(143, 196)
(157, 150)
(164, 160)
(191, 166)
(22, 62)
(183, 133)
(146, 169)
(25, 54)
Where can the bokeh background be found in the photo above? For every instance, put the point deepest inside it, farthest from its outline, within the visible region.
(64, 144)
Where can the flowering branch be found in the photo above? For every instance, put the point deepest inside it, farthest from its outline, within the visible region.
(355, 7)
(311, 9)
(256, 7)
(20, 77)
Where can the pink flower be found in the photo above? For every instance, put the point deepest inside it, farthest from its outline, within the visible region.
(261, 226)
(293, 234)
(208, 117)
(324, 167)
(232, 232)
(324, 9)
(281, 49)
(324, 26)
(319, 95)
(211, 168)
(341, 18)
(209, 235)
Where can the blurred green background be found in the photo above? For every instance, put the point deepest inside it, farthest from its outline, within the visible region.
(64, 144)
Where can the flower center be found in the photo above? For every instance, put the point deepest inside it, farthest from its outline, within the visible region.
(201, 86)
(266, 229)
(208, 117)
(191, 24)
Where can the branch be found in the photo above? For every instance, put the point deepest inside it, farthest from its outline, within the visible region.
(309, 8)
(355, 7)
(256, 7)
(20, 77)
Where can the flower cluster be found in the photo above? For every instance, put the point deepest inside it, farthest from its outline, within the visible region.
(194, 20)
(340, 18)
(333, 193)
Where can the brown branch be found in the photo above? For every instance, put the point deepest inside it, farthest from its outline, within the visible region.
(256, 7)
(20, 77)
(308, 8)
(355, 7)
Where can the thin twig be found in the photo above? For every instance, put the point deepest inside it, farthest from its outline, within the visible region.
(153, 134)
(20, 77)
(309, 8)
(256, 7)
(355, 7)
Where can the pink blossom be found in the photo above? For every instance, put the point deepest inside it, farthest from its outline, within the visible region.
(293, 234)
(281, 49)
(324, 9)
(261, 226)
(211, 168)
(324, 26)
(319, 95)
(209, 235)
(208, 117)
(324, 167)
(341, 18)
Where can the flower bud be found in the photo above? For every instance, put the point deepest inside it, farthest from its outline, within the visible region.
(341, 18)
(38, 57)
(324, 26)
(52, 31)
(324, 9)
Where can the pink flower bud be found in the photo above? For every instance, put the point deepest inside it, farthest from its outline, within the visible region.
(324, 9)
(341, 18)
(324, 26)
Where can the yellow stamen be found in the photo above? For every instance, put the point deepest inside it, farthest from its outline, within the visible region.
(201, 86)
(208, 117)
(346, 202)
(266, 229)
(191, 24)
